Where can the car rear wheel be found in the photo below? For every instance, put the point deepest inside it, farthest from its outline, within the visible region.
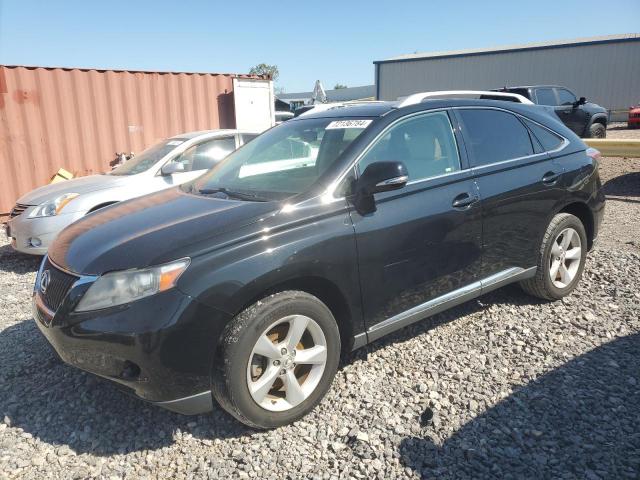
(560, 260)
(277, 359)
(597, 130)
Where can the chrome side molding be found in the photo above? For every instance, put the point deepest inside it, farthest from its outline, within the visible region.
(448, 300)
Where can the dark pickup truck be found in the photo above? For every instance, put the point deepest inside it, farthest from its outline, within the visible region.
(587, 120)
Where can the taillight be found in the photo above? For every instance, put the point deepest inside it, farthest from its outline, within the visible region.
(595, 154)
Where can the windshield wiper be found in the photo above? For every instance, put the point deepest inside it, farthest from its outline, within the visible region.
(233, 194)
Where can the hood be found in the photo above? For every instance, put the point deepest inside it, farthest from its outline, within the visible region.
(80, 185)
(149, 230)
(595, 108)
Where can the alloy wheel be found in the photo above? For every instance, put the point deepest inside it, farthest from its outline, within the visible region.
(286, 363)
(565, 258)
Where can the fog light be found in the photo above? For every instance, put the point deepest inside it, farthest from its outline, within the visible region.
(35, 242)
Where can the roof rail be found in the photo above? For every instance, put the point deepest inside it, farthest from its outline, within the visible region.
(321, 107)
(420, 97)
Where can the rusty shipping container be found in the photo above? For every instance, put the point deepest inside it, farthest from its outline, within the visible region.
(77, 119)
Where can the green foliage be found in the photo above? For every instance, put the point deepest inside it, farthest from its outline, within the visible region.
(264, 69)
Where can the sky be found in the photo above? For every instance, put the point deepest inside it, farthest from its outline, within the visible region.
(331, 41)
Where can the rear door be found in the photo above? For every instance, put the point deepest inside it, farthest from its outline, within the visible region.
(423, 241)
(519, 186)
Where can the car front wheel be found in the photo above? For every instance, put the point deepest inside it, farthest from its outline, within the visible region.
(597, 130)
(277, 359)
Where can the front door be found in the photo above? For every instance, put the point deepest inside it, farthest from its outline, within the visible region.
(423, 241)
(572, 114)
(197, 159)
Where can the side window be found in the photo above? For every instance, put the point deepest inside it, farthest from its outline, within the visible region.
(426, 144)
(247, 137)
(550, 141)
(495, 136)
(205, 155)
(565, 97)
(546, 96)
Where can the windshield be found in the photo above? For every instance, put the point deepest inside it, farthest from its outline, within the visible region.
(145, 160)
(284, 161)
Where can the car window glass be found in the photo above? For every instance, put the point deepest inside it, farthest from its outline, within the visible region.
(565, 97)
(546, 96)
(285, 160)
(205, 155)
(549, 140)
(247, 137)
(495, 136)
(425, 144)
(148, 158)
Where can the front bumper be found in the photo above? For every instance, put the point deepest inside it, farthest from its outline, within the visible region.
(160, 349)
(21, 229)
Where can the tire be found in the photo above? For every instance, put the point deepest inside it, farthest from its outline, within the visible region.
(238, 367)
(542, 285)
(597, 130)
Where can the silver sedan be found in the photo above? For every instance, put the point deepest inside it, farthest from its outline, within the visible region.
(40, 215)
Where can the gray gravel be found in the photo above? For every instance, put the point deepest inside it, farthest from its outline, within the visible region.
(517, 388)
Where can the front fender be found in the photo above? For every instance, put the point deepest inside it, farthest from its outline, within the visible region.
(596, 118)
(315, 244)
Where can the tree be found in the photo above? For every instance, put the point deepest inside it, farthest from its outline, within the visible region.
(270, 71)
(338, 86)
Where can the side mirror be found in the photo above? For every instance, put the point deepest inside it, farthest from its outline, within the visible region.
(379, 177)
(171, 168)
(581, 101)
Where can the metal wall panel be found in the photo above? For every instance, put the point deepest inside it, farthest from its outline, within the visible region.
(604, 73)
(53, 118)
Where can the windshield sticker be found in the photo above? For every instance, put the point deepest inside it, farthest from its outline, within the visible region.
(348, 124)
(175, 142)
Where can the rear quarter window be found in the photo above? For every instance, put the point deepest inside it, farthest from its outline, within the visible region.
(548, 140)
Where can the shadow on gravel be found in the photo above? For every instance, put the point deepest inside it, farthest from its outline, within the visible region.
(507, 295)
(65, 407)
(578, 421)
(16, 262)
(627, 185)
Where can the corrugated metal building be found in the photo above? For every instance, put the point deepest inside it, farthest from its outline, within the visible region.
(605, 70)
(77, 119)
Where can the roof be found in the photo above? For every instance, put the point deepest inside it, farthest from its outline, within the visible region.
(160, 72)
(373, 109)
(336, 95)
(515, 48)
(380, 108)
(200, 133)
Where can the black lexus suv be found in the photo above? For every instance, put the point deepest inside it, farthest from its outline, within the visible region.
(321, 235)
(587, 120)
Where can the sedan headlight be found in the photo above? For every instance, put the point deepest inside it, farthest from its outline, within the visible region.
(118, 288)
(52, 207)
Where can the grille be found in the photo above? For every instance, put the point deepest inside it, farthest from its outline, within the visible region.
(59, 285)
(18, 209)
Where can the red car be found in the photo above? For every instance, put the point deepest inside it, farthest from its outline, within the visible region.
(634, 117)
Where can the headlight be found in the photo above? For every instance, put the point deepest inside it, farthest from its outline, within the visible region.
(52, 207)
(118, 288)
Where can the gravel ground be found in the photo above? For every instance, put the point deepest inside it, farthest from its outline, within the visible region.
(517, 388)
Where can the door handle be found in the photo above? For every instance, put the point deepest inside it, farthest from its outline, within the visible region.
(550, 178)
(464, 200)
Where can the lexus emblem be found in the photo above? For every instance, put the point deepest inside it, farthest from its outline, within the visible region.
(45, 279)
